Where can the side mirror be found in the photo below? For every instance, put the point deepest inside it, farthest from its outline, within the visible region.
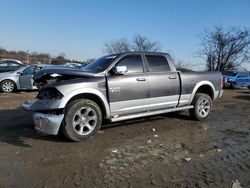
(121, 69)
(19, 72)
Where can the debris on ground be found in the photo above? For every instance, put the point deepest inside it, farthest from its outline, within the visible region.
(218, 150)
(153, 129)
(156, 136)
(187, 159)
(178, 146)
(114, 150)
(201, 155)
(236, 184)
(149, 141)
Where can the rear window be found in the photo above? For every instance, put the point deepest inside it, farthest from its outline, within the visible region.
(157, 63)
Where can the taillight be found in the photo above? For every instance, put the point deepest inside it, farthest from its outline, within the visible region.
(221, 82)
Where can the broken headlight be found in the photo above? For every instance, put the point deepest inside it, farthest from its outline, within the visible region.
(49, 93)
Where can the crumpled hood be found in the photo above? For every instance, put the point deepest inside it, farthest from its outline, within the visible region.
(60, 72)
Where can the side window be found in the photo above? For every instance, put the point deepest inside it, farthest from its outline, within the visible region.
(133, 63)
(243, 74)
(13, 64)
(157, 63)
(4, 64)
(29, 71)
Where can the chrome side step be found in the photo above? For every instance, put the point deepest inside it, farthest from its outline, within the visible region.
(150, 113)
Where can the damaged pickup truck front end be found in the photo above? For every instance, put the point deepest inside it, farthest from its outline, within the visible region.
(56, 88)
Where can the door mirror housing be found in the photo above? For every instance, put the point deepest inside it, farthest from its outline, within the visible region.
(121, 69)
(20, 72)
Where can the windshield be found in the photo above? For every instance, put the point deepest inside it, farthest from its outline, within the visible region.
(100, 64)
(229, 73)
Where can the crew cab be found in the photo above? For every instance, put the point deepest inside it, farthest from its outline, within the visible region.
(236, 78)
(118, 87)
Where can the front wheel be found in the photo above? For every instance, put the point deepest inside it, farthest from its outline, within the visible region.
(83, 118)
(7, 86)
(202, 106)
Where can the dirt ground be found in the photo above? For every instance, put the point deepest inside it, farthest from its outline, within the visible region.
(169, 150)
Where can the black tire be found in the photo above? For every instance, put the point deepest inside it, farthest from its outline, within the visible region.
(232, 86)
(201, 102)
(85, 110)
(248, 87)
(8, 86)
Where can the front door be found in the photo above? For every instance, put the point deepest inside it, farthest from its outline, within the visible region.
(26, 77)
(128, 93)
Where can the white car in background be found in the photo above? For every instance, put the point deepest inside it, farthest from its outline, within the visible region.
(21, 79)
(7, 65)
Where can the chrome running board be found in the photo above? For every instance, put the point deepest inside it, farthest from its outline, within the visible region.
(132, 116)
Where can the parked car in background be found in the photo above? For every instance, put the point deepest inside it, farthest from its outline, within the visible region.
(73, 65)
(236, 78)
(119, 87)
(7, 65)
(20, 79)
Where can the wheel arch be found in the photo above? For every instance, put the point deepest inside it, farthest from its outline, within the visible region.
(205, 87)
(91, 94)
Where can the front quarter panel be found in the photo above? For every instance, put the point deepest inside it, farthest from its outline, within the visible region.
(73, 89)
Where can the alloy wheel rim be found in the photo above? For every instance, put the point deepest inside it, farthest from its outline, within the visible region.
(8, 86)
(204, 107)
(84, 121)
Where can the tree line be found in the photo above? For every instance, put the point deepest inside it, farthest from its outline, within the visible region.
(35, 57)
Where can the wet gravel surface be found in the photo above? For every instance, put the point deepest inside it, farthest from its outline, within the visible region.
(170, 150)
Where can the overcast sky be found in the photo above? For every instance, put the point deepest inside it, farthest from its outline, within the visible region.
(80, 27)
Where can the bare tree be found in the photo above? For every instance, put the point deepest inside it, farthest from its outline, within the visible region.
(137, 44)
(118, 46)
(143, 44)
(183, 67)
(225, 47)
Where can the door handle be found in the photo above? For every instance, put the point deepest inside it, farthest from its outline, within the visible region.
(140, 79)
(172, 77)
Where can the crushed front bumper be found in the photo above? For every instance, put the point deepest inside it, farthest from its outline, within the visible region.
(45, 123)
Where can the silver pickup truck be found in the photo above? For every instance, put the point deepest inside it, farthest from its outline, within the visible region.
(118, 87)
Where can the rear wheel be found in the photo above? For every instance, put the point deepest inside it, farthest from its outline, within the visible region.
(233, 86)
(7, 86)
(83, 118)
(202, 106)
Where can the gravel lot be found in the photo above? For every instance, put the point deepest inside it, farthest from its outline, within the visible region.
(170, 150)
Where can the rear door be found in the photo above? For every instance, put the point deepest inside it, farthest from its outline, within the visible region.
(164, 84)
(128, 93)
(26, 77)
